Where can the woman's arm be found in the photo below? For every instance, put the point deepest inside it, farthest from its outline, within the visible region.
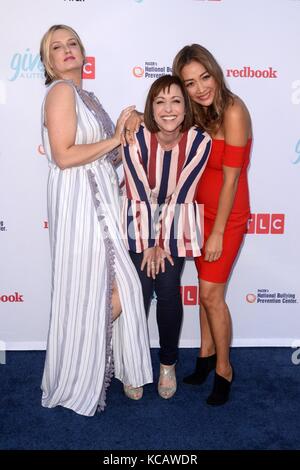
(131, 126)
(118, 160)
(141, 209)
(237, 129)
(61, 122)
(180, 215)
(214, 243)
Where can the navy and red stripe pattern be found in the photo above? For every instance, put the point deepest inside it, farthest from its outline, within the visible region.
(159, 205)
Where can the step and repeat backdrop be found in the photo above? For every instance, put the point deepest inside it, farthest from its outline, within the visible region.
(129, 43)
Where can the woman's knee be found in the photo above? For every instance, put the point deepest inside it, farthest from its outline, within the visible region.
(116, 302)
(168, 293)
(211, 297)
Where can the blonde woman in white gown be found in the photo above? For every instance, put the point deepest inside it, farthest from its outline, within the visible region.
(97, 324)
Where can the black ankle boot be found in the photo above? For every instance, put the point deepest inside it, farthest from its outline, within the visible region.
(204, 366)
(221, 391)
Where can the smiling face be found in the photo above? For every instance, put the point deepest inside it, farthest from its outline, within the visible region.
(201, 86)
(169, 109)
(65, 54)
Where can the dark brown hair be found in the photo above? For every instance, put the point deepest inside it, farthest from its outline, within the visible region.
(210, 118)
(160, 84)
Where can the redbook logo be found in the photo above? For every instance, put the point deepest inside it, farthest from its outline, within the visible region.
(89, 68)
(16, 297)
(266, 224)
(248, 72)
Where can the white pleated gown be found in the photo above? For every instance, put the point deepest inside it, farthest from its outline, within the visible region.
(88, 253)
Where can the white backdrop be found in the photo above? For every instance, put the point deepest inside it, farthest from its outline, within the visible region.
(257, 44)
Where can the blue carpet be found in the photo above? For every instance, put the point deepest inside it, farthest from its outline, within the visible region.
(263, 413)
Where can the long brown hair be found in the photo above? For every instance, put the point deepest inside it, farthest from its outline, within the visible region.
(210, 118)
(45, 50)
(162, 83)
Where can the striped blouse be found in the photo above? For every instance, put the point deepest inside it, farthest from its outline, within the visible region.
(159, 207)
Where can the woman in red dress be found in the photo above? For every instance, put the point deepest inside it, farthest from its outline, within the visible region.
(223, 189)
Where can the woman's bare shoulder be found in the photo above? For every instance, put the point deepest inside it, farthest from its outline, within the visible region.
(237, 122)
(60, 91)
(236, 108)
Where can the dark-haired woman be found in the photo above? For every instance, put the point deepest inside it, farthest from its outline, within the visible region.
(161, 219)
(223, 190)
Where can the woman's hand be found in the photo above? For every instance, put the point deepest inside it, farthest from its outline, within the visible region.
(160, 256)
(131, 126)
(149, 261)
(213, 246)
(120, 126)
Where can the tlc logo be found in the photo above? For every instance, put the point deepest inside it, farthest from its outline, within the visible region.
(16, 297)
(89, 68)
(266, 223)
(190, 295)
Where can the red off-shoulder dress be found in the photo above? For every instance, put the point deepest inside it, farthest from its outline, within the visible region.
(208, 193)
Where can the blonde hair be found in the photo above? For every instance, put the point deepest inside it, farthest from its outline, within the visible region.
(45, 50)
(210, 118)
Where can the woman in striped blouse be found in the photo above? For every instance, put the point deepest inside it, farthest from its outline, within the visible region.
(160, 218)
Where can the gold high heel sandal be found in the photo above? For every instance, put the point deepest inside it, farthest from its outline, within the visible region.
(134, 393)
(168, 372)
